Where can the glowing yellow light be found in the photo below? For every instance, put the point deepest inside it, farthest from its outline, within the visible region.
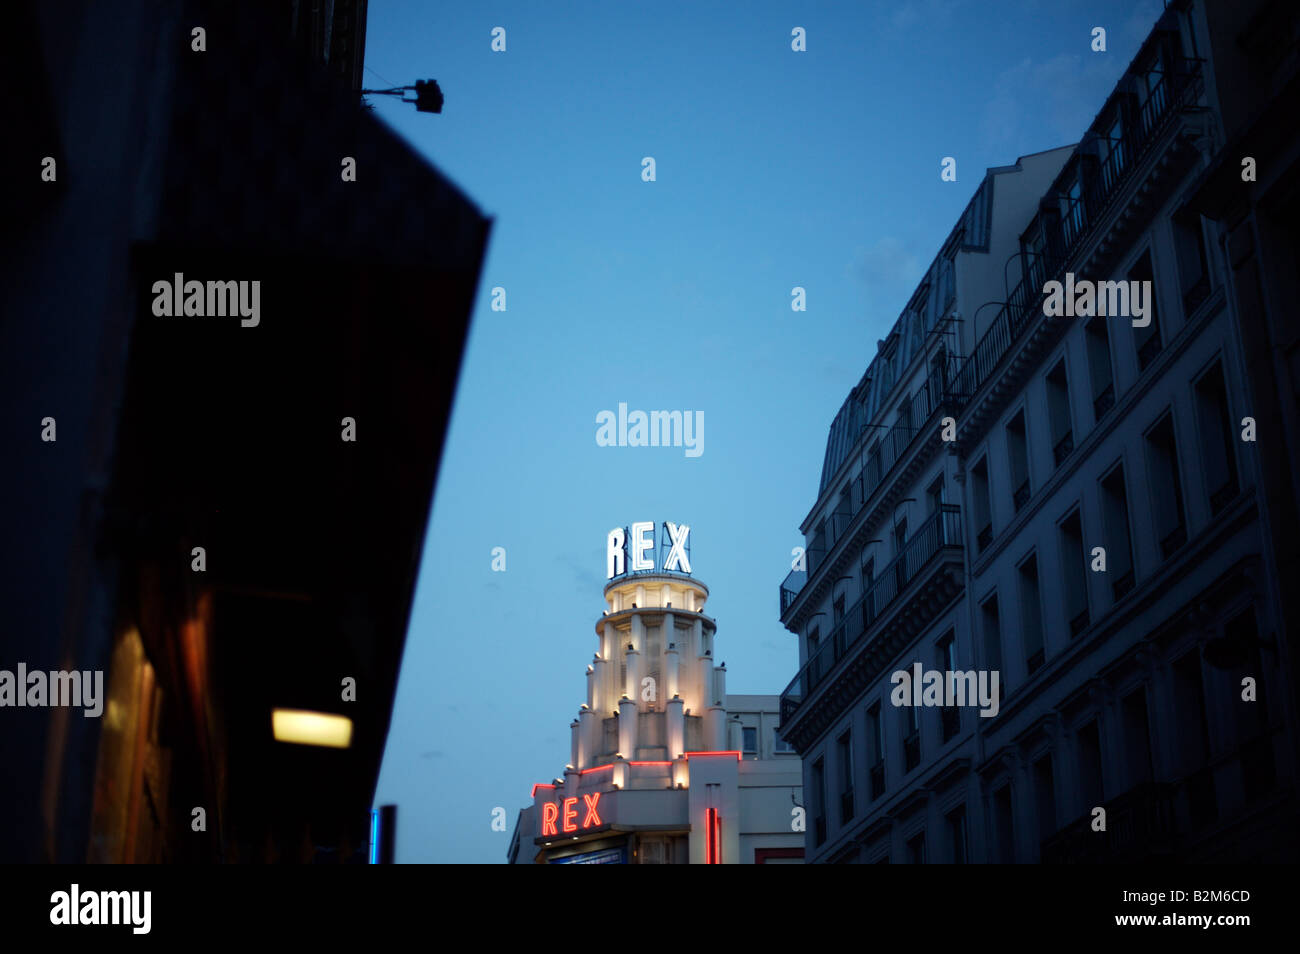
(311, 728)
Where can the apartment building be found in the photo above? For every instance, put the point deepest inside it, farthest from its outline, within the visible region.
(1068, 503)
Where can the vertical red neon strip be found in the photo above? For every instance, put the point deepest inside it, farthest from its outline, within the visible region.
(713, 837)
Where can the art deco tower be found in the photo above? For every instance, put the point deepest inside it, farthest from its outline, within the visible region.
(653, 751)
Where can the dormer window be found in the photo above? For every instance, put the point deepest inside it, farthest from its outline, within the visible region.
(1111, 151)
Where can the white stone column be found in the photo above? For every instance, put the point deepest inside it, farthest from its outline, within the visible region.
(676, 728)
(587, 740)
(627, 717)
(671, 686)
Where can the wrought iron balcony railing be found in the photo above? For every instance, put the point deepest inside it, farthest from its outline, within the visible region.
(1174, 539)
(962, 378)
(1176, 90)
(880, 461)
(941, 530)
(1140, 826)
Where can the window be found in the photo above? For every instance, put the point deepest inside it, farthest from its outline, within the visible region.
(900, 561)
(837, 609)
(1112, 153)
(814, 662)
(842, 515)
(934, 495)
(1193, 740)
(903, 419)
(993, 639)
(779, 744)
(1254, 743)
(1153, 92)
(869, 596)
(1004, 836)
(876, 755)
(750, 736)
(1166, 487)
(819, 802)
(950, 722)
(1193, 269)
(938, 383)
(911, 738)
(1018, 456)
(1115, 523)
(1031, 614)
(916, 328)
(1147, 338)
(1058, 413)
(1189, 704)
(1033, 244)
(916, 849)
(956, 820)
(1097, 342)
(871, 473)
(1072, 211)
(1090, 769)
(980, 499)
(844, 744)
(1137, 737)
(947, 286)
(1218, 448)
(1045, 797)
(816, 548)
(1074, 570)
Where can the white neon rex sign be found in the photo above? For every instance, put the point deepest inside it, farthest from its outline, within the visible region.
(633, 549)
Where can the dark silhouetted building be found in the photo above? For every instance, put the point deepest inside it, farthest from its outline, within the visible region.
(229, 519)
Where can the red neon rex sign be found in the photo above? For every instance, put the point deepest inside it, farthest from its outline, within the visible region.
(567, 816)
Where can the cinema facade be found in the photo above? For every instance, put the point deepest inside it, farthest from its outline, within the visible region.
(664, 766)
(1079, 504)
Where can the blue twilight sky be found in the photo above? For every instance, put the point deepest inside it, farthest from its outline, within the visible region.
(774, 169)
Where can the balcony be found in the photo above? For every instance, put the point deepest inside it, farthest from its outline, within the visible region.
(912, 750)
(950, 721)
(794, 582)
(1139, 827)
(1080, 216)
(875, 470)
(920, 562)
